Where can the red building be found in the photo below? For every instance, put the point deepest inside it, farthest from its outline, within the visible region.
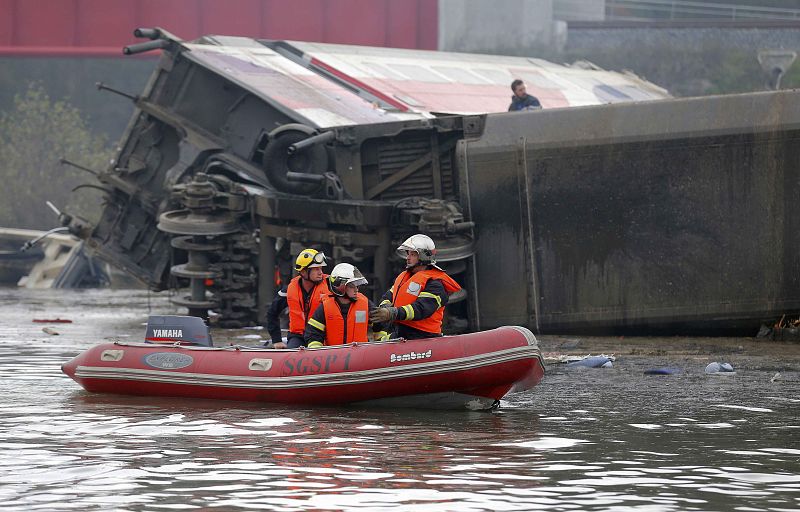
(103, 27)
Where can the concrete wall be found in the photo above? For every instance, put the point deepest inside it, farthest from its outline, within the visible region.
(579, 10)
(497, 27)
(742, 38)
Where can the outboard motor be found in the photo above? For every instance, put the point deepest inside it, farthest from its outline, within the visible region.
(183, 330)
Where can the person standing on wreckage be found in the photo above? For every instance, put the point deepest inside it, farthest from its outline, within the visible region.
(521, 100)
(303, 295)
(415, 302)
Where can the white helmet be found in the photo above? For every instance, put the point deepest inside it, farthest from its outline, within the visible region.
(422, 245)
(342, 275)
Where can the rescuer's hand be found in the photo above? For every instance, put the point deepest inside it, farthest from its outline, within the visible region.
(380, 336)
(280, 344)
(382, 315)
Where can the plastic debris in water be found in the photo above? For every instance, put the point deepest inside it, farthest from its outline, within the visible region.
(776, 377)
(662, 371)
(716, 368)
(48, 330)
(567, 358)
(592, 362)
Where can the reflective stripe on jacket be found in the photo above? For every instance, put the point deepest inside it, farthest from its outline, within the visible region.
(299, 312)
(407, 288)
(336, 330)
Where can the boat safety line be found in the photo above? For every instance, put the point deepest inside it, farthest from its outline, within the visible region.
(529, 338)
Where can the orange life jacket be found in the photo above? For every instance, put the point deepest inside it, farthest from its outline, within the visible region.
(355, 331)
(407, 288)
(298, 312)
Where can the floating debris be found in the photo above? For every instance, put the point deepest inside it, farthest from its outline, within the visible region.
(776, 377)
(51, 321)
(667, 370)
(592, 362)
(561, 359)
(716, 368)
(48, 330)
(785, 329)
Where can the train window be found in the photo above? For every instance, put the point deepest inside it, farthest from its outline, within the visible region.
(408, 100)
(461, 76)
(537, 80)
(610, 94)
(419, 73)
(636, 93)
(382, 71)
(496, 76)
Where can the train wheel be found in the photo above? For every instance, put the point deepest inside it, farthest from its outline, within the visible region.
(278, 161)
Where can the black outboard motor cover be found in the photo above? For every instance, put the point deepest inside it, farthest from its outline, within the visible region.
(184, 330)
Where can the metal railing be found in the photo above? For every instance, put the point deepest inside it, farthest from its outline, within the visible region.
(683, 10)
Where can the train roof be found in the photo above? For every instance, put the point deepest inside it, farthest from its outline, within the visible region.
(328, 85)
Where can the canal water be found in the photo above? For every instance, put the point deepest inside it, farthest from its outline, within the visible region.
(585, 439)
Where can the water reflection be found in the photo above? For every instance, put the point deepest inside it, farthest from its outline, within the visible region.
(588, 440)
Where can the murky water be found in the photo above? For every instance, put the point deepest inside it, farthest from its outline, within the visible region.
(609, 439)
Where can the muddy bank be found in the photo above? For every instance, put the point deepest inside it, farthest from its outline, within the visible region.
(686, 352)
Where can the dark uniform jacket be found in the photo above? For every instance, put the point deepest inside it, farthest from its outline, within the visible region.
(280, 303)
(527, 103)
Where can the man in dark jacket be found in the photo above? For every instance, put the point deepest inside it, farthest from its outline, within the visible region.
(521, 100)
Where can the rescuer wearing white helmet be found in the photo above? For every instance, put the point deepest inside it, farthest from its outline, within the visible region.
(415, 302)
(343, 316)
(302, 295)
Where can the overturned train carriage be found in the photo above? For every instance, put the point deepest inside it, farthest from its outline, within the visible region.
(673, 216)
(629, 215)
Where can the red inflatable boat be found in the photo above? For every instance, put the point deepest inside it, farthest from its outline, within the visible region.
(471, 371)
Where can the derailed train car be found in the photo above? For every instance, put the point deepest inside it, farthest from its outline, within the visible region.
(659, 217)
(241, 151)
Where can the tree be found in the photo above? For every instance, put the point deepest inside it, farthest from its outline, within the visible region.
(34, 135)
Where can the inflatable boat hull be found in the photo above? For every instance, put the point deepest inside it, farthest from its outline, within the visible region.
(470, 371)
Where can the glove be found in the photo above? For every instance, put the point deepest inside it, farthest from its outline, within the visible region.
(382, 315)
(380, 336)
(315, 344)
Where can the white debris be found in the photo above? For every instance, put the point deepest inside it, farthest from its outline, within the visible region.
(716, 368)
(571, 358)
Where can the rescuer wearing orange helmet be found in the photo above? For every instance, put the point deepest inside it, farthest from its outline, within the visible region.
(302, 295)
(416, 300)
(343, 316)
